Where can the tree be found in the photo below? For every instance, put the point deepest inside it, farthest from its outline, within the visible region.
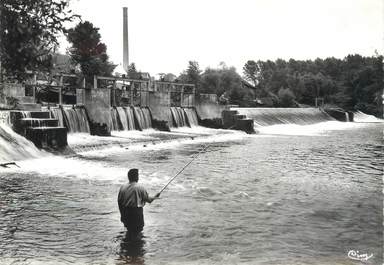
(191, 75)
(29, 31)
(132, 72)
(88, 51)
(251, 71)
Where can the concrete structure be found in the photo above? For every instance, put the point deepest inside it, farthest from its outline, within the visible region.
(97, 104)
(39, 128)
(233, 120)
(340, 115)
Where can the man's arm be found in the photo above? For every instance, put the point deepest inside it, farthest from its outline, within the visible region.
(151, 199)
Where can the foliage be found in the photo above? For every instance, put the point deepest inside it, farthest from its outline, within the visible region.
(132, 72)
(29, 30)
(251, 70)
(353, 83)
(88, 51)
(192, 75)
(286, 98)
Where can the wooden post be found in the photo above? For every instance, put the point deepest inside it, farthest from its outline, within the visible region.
(34, 87)
(114, 93)
(132, 85)
(95, 82)
(181, 95)
(194, 96)
(60, 91)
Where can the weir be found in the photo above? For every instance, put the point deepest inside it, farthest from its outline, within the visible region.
(74, 119)
(191, 116)
(130, 118)
(182, 117)
(274, 116)
(38, 127)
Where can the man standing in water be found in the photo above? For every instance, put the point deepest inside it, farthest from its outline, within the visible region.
(132, 198)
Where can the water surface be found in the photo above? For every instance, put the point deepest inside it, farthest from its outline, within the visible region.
(264, 199)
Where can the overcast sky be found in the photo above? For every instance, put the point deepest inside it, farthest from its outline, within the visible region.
(165, 34)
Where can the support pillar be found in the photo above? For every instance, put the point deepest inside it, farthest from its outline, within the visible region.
(61, 91)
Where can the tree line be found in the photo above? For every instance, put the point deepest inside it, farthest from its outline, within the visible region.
(352, 83)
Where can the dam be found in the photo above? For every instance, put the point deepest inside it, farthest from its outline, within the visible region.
(303, 168)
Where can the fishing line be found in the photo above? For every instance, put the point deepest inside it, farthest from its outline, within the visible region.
(183, 168)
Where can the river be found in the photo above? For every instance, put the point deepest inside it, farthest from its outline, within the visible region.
(290, 195)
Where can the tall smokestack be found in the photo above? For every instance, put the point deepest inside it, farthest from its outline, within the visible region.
(125, 40)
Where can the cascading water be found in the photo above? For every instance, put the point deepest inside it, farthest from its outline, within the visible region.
(191, 116)
(274, 116)
(76, 120)
(125, 115)
(147, 117)
(15, 147)
(179, 117)
(359, 116)
(57, 114)
(123, 118)
(347, 117)
(130, 118)
(114, 120)
(143, 117)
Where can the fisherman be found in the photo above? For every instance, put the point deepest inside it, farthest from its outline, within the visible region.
(132, 198)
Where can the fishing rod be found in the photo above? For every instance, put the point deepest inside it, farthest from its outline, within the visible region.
(181, 170)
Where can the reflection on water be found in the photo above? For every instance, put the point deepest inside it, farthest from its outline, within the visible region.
(257, 200)
(131, 249)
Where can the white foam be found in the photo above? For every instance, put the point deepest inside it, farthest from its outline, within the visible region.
(362, 117)
(310, 130)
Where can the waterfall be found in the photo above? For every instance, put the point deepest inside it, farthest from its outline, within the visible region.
(114, 123)
(126, 118)
(130, 118)
(147, 117)
(123, 118)
(15, 147)
(273, 116)
(122, 115)
(76, 120)
(179, 118)
(191, 116)
(57, 114)
(346, 117)
(143, 117)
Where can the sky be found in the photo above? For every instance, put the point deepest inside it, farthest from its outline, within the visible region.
(165, 34)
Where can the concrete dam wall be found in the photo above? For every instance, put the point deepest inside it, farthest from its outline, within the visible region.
(273, 116)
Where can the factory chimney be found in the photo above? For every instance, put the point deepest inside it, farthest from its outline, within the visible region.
(125, 40)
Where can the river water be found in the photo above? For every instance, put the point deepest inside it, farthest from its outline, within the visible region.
(289, 195)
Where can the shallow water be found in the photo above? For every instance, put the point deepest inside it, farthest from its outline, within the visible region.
(263, 199)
